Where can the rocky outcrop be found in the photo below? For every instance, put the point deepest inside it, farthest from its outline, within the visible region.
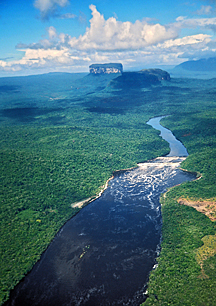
(158, 73)
(140, 79)
(106, 68)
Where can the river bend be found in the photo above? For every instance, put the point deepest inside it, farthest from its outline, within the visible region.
(103, 256)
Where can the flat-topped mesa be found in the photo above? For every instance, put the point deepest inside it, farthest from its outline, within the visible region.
(139, 79)
(106, 68)
(159, 73)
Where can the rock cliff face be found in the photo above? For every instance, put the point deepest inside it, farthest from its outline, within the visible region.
(106, 68)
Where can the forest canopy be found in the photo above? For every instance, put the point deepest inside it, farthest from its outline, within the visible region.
(63, 136)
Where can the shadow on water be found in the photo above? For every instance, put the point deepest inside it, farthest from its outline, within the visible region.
(103, 256)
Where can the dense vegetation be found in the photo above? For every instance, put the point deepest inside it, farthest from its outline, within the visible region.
(47, 164)
(178, 280)
(186, 274)
(43, 171)
(63, 135)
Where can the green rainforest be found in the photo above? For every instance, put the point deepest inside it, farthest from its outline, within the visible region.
(61, 138)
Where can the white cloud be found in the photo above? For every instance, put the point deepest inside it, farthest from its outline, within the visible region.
(40, 58)
(186, 47)
(181, 18)
(187, 41)
(111, 34)
(107, 40)
(195, 23)
(49, 7)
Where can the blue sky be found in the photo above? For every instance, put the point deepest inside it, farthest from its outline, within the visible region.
(39, 36)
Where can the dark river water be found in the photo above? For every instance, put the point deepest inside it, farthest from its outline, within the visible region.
(103, 256)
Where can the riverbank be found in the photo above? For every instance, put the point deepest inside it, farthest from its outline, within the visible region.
(187, 261)
(206, 207)
(118, 234)
(178, 276)
(163, 173)
(59, 154)
(50, 168)
(84, 202)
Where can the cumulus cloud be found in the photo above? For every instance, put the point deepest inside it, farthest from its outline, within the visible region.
(40, 58)
(187, 41)
(187, 47)
(107, 40)
(171, 51)
(111, 34)
(49, 8)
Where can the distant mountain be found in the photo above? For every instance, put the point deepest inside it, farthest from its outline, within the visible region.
(106, 68)
(140, 79)
(199, 65)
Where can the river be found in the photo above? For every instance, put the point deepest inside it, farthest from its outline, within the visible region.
(103, 256)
